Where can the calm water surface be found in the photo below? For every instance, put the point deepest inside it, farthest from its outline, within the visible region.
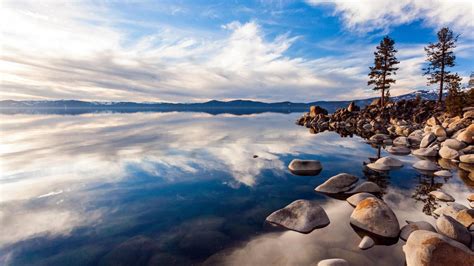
(185, 188)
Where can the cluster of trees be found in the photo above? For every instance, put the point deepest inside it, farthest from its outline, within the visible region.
(440, 57)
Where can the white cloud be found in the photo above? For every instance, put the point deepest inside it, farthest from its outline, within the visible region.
(369, 15)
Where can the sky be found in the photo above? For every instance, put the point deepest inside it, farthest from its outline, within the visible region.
(194, 51)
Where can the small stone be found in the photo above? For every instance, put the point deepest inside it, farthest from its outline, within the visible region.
(333, 262)
(301, 216)
(467, 158)
(305, 167)
(366, 243)
(378, 167)
(443, 173)
(441, 195)
(367, 186)
(379, 138)
(390, 162)
(401, 141)
(337, 184)
(425, 165)
(411, 227)
(451, 228)
(439, 131)
(356, 198)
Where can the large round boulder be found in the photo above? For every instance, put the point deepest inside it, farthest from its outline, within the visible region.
(411, 227)
(465, 136)
(399, 150)
(465, 217)
(367, 186)
(401, 141)
(301, 215)
(379, 138)
(450, 210)
(356, 198)
(451, 228)
(305, 167)
(390, 162)
(337, 184)
(425, 165)
(378, 167)
(425, 248)
(426, 152)
(375, 216)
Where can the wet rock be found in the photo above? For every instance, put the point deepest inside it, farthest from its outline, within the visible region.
(401, 141)
(333, 262)
(305, 167)
(339, 183)
(390, 162)
(301, 216)
(449, 210)
(467, 158)
(427, 140)
(411, 227)
(375, 216)
(443, 173)
(398, 150)
(441, 195)
(465, 217)
(451, 228)
(426, 152)
(378, 167)
(366, 243)
(367, 186)
(448, 153)
(356, 198)
(425, 165)
(454, 144)
(430, 248)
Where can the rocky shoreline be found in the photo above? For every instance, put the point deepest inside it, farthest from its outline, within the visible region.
(415, 127)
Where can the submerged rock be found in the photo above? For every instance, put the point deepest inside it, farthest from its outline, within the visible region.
(425, 165)
(337, 184)
(367, 186)
(411, 227)
(366, 243)
(305, 167)
(356, 198)
(301, 216)
(375, 216)
(441, 195)
(333, 262)
(451, 228)
(443, 173)
(430, 248)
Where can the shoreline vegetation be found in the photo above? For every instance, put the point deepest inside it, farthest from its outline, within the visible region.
(439, 133)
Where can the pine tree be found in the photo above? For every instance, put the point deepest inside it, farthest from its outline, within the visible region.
(456, 98)
(440, 55)
(384, 67)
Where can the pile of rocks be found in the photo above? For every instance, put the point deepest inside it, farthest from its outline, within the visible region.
(396, 118)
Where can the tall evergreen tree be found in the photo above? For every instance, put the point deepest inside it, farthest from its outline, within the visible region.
(440, 55)
(384, 67)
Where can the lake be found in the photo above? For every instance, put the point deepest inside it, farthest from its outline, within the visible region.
(181, 188)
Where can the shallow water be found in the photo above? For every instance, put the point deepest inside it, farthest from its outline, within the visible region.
(185, 188)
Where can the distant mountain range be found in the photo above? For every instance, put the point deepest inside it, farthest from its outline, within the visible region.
(238, 107)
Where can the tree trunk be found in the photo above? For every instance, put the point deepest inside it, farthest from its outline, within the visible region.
(382, 100)
(440, 96)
